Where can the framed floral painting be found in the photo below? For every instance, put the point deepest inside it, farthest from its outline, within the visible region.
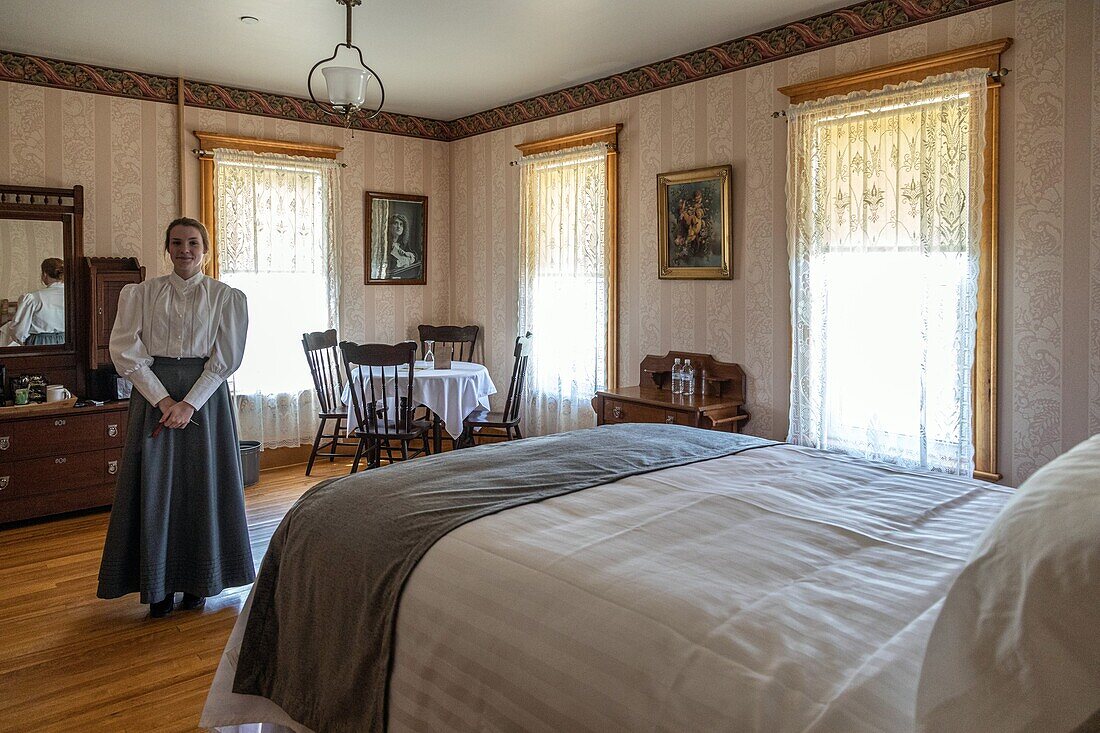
(695, 224)
(396, 239)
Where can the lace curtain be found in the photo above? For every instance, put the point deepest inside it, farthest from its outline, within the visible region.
(277, 219)
(884, 196)
(563, 285)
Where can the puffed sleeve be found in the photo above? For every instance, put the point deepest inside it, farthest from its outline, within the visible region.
(227, 351)
(29, 304)
(128, 352)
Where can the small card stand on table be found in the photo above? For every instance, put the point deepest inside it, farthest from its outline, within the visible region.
(718, 404)
(443, 358)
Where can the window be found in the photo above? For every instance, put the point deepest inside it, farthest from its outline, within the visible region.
(891, 199)
(567, 277)
(274, 239)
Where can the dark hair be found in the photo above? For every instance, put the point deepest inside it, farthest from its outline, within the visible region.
(53, 267)
(403, 238)
(187, 221)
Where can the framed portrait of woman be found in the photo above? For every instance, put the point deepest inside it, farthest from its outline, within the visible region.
(396, 239)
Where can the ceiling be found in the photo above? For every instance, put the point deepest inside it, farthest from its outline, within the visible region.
(438, 58)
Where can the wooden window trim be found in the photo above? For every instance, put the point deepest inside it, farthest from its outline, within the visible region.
(208, 141)
(609, 136)
(982, 55)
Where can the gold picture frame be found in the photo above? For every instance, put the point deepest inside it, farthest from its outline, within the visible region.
(695, 224)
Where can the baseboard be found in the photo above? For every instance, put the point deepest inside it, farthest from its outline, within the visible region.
(279, 457)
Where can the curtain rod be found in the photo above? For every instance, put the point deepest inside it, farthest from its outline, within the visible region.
(997, 75)
(200, 153)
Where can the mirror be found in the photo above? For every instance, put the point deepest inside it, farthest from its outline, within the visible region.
(32, 283)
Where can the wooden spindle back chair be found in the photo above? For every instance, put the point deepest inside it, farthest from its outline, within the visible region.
(463, 339)
(381, 385)
(328, 382)
(508, 420)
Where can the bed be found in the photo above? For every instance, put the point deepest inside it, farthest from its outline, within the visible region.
(751, 587)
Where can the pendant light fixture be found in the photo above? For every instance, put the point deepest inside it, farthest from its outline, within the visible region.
(347, 85)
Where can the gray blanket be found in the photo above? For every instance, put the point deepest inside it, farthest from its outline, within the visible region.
(319, 640)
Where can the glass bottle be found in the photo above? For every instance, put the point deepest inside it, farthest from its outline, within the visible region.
(688, 378)
(677, 373)
(429, 355)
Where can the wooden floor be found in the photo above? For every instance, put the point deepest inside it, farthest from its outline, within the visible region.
(72, 662)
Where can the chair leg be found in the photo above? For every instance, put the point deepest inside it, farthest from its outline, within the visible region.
(427, 449)
(335, 440)
(316, 445)
(518, 435)
(404, 450)
(358, 455)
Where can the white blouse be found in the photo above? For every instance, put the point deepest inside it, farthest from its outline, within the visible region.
(177, 318)
(40, 311)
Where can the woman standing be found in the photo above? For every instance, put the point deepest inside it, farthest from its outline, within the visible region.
(178, 521)
(40, 316)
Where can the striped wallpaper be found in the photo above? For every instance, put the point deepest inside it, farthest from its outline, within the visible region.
(123, 152)
(1049, 221)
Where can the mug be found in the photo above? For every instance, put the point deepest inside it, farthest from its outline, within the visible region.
(57, 392)
(22, 395)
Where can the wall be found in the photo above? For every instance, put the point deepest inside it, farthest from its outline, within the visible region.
(1050, 247)
(124, 153)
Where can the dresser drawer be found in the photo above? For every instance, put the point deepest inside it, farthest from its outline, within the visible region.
(51, 436)
(617, 411)
(114, 428)
(54, 474)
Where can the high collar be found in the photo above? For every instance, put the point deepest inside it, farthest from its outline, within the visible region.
(58, 284)
(185, 286)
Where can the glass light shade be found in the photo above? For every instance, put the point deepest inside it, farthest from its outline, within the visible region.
(347, 86)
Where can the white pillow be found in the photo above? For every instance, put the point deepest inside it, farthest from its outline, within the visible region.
(1016, 646)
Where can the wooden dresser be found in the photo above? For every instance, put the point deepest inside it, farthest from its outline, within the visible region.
(55, 460)
(721, 408)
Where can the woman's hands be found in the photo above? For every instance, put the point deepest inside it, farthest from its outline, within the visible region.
(175, 414)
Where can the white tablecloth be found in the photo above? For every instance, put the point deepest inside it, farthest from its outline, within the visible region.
(452, 394)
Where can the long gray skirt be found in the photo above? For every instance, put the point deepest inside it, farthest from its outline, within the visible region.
(46, 339)
(178, 521)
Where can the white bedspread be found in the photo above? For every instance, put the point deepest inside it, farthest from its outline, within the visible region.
(781, 589)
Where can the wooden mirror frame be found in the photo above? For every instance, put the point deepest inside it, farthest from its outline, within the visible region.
(60, 362)
(29, 203)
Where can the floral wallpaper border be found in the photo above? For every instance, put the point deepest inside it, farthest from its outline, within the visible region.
(27, 69)
(828, 29)
(839, 26)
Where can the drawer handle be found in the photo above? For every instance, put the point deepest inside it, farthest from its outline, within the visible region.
(59, 423)
(60, 460)
(4, 481)
(670, 418)
(112, 431)
(617, 412)
(112, 467)
(5, 441)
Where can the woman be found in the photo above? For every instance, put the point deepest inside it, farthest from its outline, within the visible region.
(178, 521)
(40, 316)
(402, 257)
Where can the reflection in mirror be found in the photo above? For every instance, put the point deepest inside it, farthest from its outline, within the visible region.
(32, 283)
